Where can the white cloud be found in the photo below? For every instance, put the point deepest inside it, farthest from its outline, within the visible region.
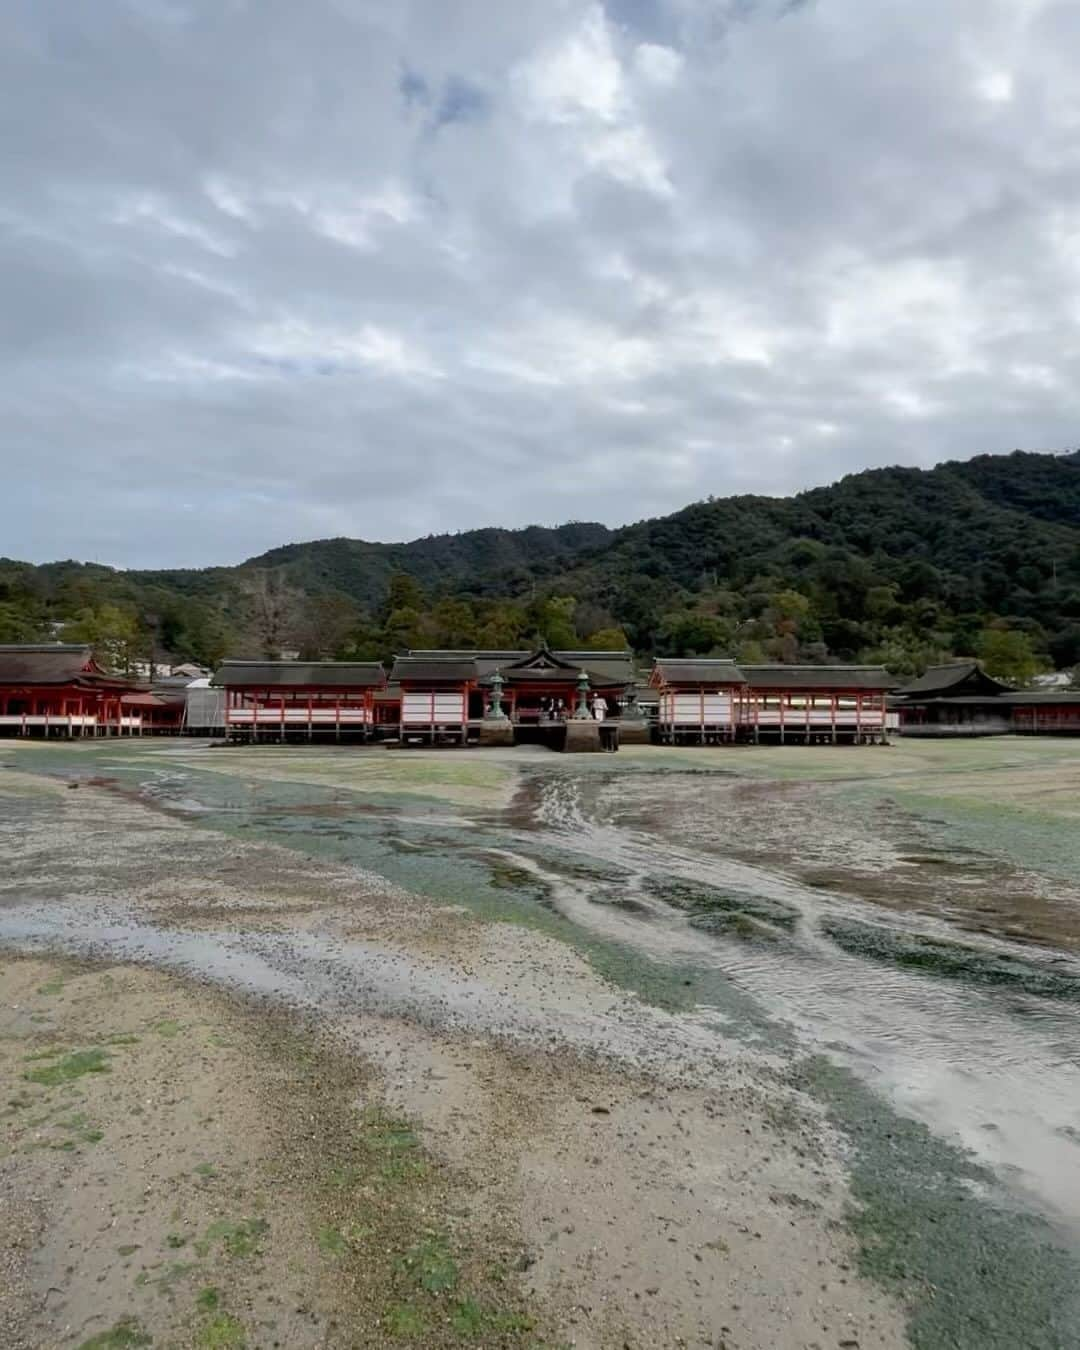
(996, 86)
(294, 345)
(147, 209)
(656, 64)
(334, 250)
(577, 77)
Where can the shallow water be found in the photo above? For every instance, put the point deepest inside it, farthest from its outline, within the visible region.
(976, 1035)
(997, 1068)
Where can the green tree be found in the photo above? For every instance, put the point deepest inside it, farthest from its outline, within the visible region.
(607, 640)
(1007, 655)
(206, 637)
(751, 651)
(367, 642)
(501, 626)
(18, 623)
(404, 628)
(403, 592)
(688, 633)
(554, 621)
(453, 621)
(903, 652)
(113, 633)
(789, 605)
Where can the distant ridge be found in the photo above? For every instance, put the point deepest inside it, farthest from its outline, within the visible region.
(886, 559)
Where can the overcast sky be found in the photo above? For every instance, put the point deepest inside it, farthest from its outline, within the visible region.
(273, 271)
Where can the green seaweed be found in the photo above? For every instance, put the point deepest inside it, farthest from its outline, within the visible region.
(221, 1332)
(951, 960)
(127, 1334)
(332, 1242)
(403, 1319)
(933, 1226)
(701, 900)
(72, 1066)
(431, 1265)
(238, 1238)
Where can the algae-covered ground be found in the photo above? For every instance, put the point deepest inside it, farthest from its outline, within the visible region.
(745, 1046)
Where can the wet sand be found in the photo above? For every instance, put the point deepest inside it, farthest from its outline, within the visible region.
(610, 1088)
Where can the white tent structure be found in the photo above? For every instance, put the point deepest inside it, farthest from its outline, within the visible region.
(204, 709)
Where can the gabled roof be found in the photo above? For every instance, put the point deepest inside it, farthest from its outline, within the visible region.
(145, 698)
(544, 659)
(604, 668)
(615, 667)
(300, 675)
(957, 677)
(485, 661)
(430, 669)
(696, 670)
(51, 663)
(781, 676)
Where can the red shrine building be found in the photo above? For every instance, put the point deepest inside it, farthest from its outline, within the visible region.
(446, 695)
(706, 699)
(59, 689)
(300, 700)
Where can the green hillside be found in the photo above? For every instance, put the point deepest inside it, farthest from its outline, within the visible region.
(901, 565)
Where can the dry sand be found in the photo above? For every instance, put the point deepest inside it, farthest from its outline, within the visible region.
(586, 1190)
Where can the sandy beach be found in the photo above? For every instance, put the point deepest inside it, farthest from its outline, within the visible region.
(326, 1049)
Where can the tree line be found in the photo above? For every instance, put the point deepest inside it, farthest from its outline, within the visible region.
(904, 567)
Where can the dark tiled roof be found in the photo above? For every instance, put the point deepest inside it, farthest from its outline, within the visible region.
(300, 675)
(562, 675)
(58, 663)
(780, 676)
(144, 698)
(940, 679)
(455, 669)
(964, 701)
(618, 667)
(1038, 696)
(603, 668)
(545, 659)
(698, 670)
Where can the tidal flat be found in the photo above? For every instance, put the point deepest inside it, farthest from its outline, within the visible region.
(743, 1047)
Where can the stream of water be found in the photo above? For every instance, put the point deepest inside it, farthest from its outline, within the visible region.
(997, 1069)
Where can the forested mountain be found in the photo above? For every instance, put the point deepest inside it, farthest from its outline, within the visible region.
(907, 566)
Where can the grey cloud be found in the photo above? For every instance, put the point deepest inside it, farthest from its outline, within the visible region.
(382, 267)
